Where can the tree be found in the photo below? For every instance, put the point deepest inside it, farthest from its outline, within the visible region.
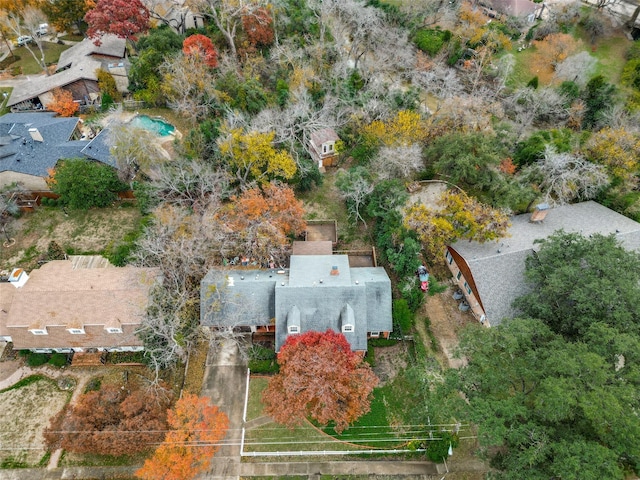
(188, 86)
(8, 207)
(598, 97)
(110, 421)
(405, 129)
(550, 52)
(228, 15)
(252, 156)
(133, 149)
(123, 18)
(202, 47)
(459, 217)
(398, 162)
(107, 84)
(579, 281)
(196, 429)
(320, 377)
(545, 407)
(66, 14)
(63, 103)
(27, 21)
(565, 177)
(263, 220)
(259, 27)
(618, 150)
(84, 184)
(355, 186)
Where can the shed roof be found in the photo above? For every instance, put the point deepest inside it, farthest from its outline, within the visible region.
(498, 267)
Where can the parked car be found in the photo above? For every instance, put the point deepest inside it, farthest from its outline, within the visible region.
(43, 29)
(23, 40)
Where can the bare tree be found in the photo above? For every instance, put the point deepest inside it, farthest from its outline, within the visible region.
(27, 24)
(565, 177)
(578, 68)
(9, 207)
(179, 10)
(527, 106)
(398, 162)
(189, 86)
(134, 149)
(355, 187)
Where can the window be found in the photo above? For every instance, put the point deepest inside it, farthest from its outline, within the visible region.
(294, 329)
(449, 257)
(347, 328)
(458, 275)
(114, 330)
(330, 147)
(374, 334)
(39, 331)
(467, 287)
(76, 331)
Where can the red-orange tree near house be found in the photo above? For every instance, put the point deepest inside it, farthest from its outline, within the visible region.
(63, 103)
(201, 45)
(197, 427)
(320, 377)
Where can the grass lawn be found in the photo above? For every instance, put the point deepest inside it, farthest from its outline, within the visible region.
(254, 405)
(29, 65)
(25, 414)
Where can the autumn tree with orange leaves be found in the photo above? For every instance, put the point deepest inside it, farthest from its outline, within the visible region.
(196, 429)
(63, 103)
(262, 219)
(203, 47)
(320, 377)
(259, 27)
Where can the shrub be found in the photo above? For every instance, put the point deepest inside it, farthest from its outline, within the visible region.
(382, 342)
(431, 41)
(533, 83)
(264, 366)
(37, 359)
(58, 360)
(437, 450)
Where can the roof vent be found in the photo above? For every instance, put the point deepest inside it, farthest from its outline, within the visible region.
(334, 271)
(36, 135)
(539, 213)
(18, 277)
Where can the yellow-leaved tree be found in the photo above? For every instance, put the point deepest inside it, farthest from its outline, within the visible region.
(617, 149)
(459, 217)
(405, 129)
(252, 156)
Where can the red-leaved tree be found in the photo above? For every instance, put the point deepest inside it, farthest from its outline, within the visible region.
(123, 18)
(196, 429)
(320, 377)
(110, 421)
(203, 46)
(259, 27)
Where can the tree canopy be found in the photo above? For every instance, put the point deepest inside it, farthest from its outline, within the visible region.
(320, 377)
(123, 18)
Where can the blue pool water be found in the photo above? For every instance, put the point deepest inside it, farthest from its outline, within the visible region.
(155, 125)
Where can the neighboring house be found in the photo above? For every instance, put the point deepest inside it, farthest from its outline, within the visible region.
(491, 274)
(76, 72)
(59, 308)
(176, 14)
(31, 143)
(317, 292)
(322, 147)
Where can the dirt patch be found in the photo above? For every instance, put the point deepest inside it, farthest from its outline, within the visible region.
(428, 194)
(25, 414)
(389, 361)
(446, 322)
(79, 231)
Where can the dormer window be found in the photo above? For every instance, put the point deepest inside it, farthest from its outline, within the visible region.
(294, 329)
(348, 328)
(114, 330)
(39, 331)
(76, 331)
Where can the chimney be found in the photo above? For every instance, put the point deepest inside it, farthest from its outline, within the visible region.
(539, 213)
(18, 277)
(334, 271)
(36, 135)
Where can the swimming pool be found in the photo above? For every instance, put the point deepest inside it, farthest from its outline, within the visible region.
(155, 125)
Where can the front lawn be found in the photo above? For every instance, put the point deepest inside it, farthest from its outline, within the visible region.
(28, 64)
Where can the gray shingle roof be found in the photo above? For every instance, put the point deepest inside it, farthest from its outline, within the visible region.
(306, 295)
(23, 154)
(498, 267)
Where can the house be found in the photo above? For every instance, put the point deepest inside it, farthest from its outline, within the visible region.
(64, 307)
(31, 143)
(491, 275)
(322, 147)
(317, 292)
(522, 9)
(75, 72)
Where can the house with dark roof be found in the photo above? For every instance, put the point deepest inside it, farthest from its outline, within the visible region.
(31, 143)
(317, 292)
(67, 306)
(491, 275)
(76, 73)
